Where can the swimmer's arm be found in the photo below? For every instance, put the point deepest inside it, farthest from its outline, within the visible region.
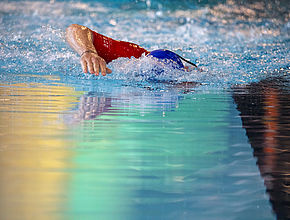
(80, 38)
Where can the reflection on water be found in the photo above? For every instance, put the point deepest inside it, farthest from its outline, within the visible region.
(264, 108)
(92, 106)
(132, 153)
(142, 154)
(151, 159)
(33, 151)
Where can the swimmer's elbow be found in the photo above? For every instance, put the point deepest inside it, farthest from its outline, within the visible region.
(75, 28)
(71, 29)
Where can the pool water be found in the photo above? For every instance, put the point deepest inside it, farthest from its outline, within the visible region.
(76, 146)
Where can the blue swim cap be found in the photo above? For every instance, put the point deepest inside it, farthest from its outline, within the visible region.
(167, 57)
(170, 59)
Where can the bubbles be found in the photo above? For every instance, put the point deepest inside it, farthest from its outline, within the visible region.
(150, 69)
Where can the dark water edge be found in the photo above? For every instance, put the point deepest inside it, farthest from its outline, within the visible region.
(265, 112)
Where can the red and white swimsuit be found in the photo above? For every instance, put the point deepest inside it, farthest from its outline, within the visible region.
(110, 49)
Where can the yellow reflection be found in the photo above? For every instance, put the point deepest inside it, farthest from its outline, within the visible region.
(33, 151)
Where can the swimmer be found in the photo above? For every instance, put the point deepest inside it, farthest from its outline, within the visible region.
(97, 50)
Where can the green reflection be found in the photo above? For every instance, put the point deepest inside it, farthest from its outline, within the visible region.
(127, 160)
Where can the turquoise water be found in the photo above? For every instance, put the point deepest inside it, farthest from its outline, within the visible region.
(77, 146)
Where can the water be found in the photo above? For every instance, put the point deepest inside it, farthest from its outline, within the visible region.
(77, 146)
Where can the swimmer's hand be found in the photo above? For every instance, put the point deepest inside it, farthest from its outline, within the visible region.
(80, 38)
(93, 63)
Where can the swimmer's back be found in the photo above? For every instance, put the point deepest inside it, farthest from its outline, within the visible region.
(110, 49)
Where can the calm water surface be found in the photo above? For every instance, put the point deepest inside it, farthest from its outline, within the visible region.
(144, 154)
(81, 147)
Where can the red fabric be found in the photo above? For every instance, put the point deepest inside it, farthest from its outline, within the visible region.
(110, 49)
